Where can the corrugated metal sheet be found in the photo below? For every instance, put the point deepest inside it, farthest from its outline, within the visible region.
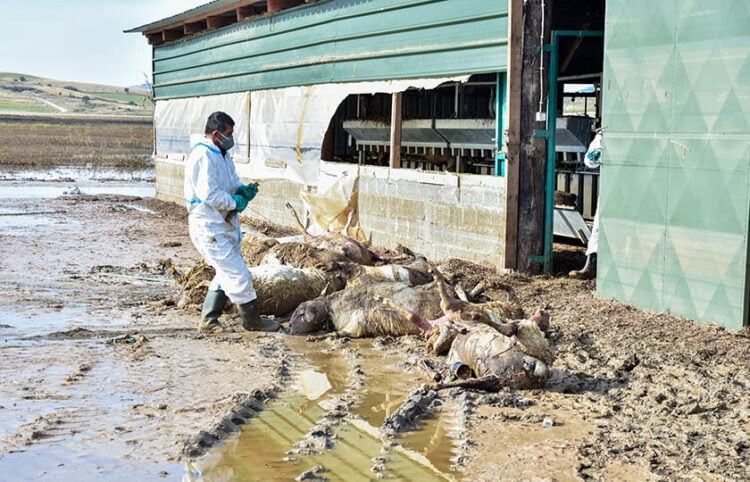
(676, 179)
(338, 41)
(208, 7)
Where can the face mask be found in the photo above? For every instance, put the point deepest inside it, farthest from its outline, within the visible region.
(227, 142)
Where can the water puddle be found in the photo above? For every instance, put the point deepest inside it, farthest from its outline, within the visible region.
(268, 447)
(49, 192)
(26, 183)
(77, 173)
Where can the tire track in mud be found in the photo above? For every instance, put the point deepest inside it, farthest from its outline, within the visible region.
(339, 435)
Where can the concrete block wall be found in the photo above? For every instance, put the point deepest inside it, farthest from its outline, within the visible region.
(435, 214)
(438, 215)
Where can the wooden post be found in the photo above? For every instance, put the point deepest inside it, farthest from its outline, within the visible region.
(515, 70)
(531, 151)
(396, 101)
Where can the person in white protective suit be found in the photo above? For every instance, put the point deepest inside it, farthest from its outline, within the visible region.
(214, 197)
(592, 160)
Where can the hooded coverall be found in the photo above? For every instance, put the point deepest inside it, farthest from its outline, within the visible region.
(210, 181)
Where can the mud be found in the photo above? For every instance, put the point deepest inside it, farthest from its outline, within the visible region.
(104, 378)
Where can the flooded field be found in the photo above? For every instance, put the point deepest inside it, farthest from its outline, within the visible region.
(104, 378)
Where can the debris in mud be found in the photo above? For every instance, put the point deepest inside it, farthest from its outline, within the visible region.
(134, 347)
(321, 436)
(313, 474)
(322, 290)
(170, 244)
(79, 373)
(418, 405)
(74, 334)
(162, 272)
(194, 285)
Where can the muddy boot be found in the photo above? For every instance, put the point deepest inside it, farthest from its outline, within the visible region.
(251, 320)
(213, 306)
(588, 271)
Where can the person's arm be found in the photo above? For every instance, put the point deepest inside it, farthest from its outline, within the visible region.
(236, 184)
(207, 186)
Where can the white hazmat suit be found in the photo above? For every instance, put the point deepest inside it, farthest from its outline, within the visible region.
(210, 181)
(593, 160)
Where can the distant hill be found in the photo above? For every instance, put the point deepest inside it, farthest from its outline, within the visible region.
(21, 93)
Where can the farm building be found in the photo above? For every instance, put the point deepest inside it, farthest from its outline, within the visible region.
(447, 125)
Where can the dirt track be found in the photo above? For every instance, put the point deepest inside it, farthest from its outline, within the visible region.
(103, 379)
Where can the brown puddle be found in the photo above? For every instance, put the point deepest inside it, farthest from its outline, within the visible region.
(261, 451)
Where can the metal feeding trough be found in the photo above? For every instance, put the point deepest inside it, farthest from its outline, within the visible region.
(568, 223)
(469, 142)
(468, 133)
(414, 133)
(433, 133)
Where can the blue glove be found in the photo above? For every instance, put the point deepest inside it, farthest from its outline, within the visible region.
(241, 202)
(248, 191)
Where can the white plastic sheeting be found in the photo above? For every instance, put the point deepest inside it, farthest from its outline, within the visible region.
(281, 129)
(288, 125)
(175, 120)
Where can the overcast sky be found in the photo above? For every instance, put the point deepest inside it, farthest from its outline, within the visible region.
(81, 40)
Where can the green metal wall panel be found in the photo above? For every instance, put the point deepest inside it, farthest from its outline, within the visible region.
(338, 41)
(675, 207)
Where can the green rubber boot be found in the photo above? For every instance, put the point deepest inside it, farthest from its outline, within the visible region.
(213, 307)
(251, 320)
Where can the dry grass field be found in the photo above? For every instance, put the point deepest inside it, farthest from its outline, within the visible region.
(60, 123)
(48, 140)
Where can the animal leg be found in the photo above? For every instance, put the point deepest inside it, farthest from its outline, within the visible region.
(424, 326)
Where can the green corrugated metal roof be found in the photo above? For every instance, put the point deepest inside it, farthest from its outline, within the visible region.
(338, 41)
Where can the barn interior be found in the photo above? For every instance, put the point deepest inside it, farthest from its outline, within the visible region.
(453, 126)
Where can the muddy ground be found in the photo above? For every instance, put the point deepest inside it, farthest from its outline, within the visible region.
(104, 378)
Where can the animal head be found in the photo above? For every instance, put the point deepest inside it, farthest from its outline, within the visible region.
(310, 316)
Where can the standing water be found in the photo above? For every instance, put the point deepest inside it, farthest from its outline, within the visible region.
(293, 438)
(60, 181)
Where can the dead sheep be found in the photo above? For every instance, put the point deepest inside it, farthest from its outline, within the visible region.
(359, 311)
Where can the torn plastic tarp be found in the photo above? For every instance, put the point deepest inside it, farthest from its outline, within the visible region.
(287, 126)
(333, 206)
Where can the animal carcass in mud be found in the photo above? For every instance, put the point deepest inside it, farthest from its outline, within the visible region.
(413, 269)
(359, 311)
(519, 361)
(280, 288)
(351, 249)
(514, 353)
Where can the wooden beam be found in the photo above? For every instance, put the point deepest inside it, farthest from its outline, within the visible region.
(201, 17)
(531, 150)
(276, 5)
(216, 21)
(155, 38)
(172, 34)
(248, 11)
(513, 154)
(195, 27)
(396, 103)
(568, 58)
